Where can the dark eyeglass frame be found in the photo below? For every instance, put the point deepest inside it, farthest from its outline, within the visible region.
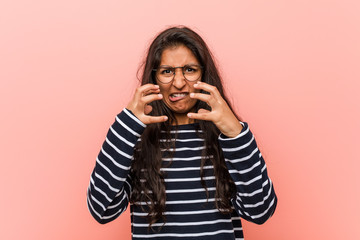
(182, 70)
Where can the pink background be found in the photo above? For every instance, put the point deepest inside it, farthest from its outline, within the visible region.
(292, 69)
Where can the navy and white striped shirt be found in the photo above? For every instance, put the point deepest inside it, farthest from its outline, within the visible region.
(189, 213)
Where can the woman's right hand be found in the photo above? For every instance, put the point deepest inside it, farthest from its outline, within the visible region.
(144, 95)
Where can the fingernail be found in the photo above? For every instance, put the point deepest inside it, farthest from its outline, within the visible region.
(192, 94)
(189, 114)
(157, 86)
(195, 85)
(165, 118)
(160, 95)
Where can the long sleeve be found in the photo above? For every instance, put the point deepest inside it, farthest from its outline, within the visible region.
(110, 183)
(255, 199)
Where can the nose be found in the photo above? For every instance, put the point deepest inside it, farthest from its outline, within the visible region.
(179, 79)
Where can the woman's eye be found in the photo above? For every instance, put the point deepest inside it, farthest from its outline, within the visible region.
(166, 71)
(189, 69)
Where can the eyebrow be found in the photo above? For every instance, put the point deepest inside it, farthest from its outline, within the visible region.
(188, 64)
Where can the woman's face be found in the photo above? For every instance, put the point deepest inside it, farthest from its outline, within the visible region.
(176, 93)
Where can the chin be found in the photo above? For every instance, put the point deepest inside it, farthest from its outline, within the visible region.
(184, 110)
(181, 109)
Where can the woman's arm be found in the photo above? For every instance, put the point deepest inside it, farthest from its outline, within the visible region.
(255, 198)
(110, 184)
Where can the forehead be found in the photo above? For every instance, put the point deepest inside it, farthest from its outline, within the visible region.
(178, 56)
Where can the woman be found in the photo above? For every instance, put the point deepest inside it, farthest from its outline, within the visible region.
(179, 154)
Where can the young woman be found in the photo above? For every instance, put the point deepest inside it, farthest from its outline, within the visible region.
(179, 154)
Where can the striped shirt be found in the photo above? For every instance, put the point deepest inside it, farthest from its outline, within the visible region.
(190, 214)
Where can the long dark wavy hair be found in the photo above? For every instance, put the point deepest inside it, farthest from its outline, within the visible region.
(147, 178)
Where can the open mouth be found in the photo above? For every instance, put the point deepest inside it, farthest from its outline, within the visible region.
(177, 96)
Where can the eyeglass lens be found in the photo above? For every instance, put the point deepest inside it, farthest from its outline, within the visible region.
(166, 74)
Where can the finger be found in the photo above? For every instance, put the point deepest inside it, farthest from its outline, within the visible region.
(145, 93)
(201, 96)
(145, 88)
(152, 97)
(152, 119)
(148, 86)
(201, 110)
(207, 87)
(147, 109)
(200, 116)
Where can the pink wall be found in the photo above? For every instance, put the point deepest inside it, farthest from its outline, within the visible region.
(68, 67)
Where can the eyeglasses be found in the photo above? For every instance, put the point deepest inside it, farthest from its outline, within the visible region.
(166, 74)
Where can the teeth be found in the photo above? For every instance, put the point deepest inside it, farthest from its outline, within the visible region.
(179, 95)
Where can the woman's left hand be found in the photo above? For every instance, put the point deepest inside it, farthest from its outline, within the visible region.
(220, 114)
